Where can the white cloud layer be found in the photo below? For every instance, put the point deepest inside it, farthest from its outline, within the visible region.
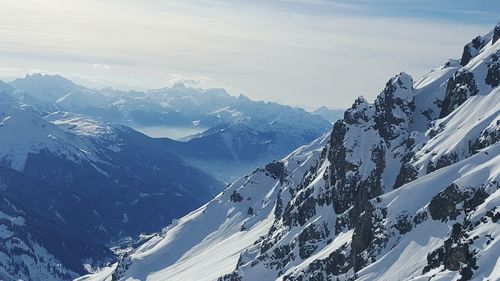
(308, 53)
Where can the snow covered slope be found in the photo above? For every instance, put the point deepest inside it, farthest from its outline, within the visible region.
(25, 132)
(87, 184)
(207, 242)
(405, 188)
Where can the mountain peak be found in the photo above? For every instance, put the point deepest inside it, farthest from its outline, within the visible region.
(398, 87)
(394, 106)
(179, 85)
(360, 103)
(33, 75)
(403, 81)
(46, 77)
(45, 87)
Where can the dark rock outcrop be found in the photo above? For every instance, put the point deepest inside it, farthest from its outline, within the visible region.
(454, 254)
(443, 206)
(325, 269)
(397, 95)
(236, 197)
(471, 50)
(496, 34)
(344, 186)
(493, 74)
(459, 88)
(277, 170)
(443, 161)
(362, 237)
(121, 268)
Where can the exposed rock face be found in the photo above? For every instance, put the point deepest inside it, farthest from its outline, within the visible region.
(362, 237)
(324, 269)
(493, 75)
(455, 254)
(488, 137)
(394, 107)
(309, 238)
(236, 197)
(121, 268)
(277, 170)
(444, 205)
(408, 172)
(230, 277)
(442, 161)
(496, 34)
(458, 90)
(342, 195)
(347, 184)
(472, 49)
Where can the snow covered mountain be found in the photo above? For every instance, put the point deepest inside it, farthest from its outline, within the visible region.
(404, 188)
(329, 114)
(245, 133)
(86, 183)
(177, 105)
(236, 148)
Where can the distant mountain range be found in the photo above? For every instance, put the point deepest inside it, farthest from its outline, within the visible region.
(238, 134)
(330, 114)
(404, 188)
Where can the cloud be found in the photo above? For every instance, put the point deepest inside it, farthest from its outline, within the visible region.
(191, 81)
(308, 52)
(101, 66)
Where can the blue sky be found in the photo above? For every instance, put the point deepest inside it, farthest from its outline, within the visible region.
(299, 52)
(481, 11)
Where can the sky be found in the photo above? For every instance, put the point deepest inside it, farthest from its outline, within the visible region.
(308, 53)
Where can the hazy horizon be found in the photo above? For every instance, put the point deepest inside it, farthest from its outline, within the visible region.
(304, 53)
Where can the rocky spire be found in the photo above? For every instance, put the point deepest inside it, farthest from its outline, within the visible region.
(394, 106)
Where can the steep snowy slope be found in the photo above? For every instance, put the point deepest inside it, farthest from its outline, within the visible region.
(25, 132)
(405, 188)
(207, 242)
